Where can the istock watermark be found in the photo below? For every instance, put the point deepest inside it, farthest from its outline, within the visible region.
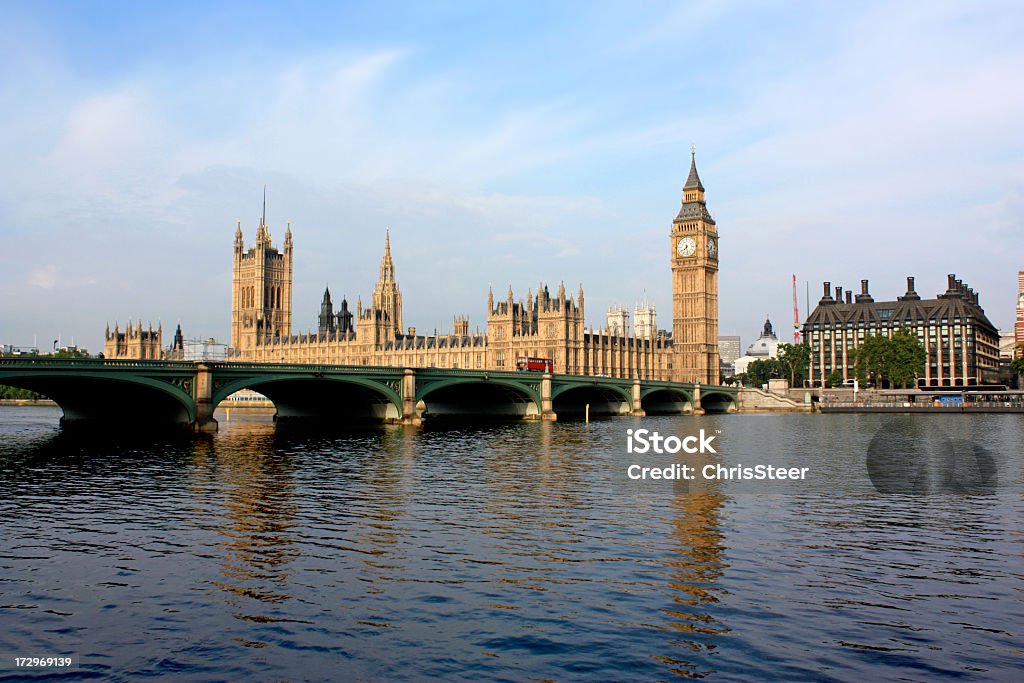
(645, 441)
(696, 459)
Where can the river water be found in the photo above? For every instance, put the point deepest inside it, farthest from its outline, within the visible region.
(511, 552)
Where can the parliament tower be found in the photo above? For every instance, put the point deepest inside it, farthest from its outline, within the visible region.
(261, 287)
(694, 244)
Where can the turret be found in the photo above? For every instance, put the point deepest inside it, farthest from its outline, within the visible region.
(327, 325)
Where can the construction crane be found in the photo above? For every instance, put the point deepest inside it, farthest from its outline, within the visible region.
(796, 314)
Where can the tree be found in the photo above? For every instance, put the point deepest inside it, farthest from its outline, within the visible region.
(796, 358)
(834, 379)
(7, 392)
(906, 358)
(763, 369)
(871, 359)
(1017, 364)
(898, 359)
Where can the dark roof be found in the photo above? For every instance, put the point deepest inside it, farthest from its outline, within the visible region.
(957, 302)
(693, 180)
(694, 210)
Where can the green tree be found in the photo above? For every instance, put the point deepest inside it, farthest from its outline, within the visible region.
(7, 392)
(834, 379)
(763, 369)
(1017, 364)
(871, 359)
(905, 359)
(796, 358)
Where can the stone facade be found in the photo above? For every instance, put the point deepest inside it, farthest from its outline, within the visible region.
(261, 288)
(1018, 330)
(134, 343)
(544, 325)
(694, 243)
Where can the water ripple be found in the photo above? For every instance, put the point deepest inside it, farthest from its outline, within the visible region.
(498, 553)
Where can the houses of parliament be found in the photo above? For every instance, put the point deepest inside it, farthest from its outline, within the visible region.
(547, 324)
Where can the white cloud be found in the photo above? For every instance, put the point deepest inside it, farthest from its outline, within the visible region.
(44, 277)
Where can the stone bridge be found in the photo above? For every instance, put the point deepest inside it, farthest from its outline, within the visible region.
(134, 392)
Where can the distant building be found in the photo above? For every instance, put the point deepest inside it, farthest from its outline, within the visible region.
(12, 350)
(728, 352)
(134, 342)
(618, 321)
(1007, 345)
(764, 347)
(204, 349)
(645, 324)
(1019, 327)
(962, 345)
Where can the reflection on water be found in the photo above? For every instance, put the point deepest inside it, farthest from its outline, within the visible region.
(258, 516)
(501, 552)
(695, 574)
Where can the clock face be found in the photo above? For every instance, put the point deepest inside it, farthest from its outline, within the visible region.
(712, 249)
(686, 247)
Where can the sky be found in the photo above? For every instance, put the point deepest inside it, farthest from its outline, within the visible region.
(502, 144)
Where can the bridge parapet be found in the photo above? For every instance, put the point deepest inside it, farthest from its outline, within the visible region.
(189, 392)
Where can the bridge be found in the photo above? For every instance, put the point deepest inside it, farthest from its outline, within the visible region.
(139, 392)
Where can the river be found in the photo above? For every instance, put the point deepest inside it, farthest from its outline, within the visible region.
(514, 552)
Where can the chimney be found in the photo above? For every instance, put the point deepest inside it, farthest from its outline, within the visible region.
(911, 295)
(839, 294)
(864, 296)
(826, 297)
(951, 281)
(849, 297)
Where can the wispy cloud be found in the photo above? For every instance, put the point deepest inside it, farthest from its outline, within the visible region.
(838, 142)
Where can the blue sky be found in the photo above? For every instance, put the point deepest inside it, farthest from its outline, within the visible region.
(502, 144)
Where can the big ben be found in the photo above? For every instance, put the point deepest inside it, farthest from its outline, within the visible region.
(694, 244)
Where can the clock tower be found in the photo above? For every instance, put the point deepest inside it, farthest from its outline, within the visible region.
(694, 244)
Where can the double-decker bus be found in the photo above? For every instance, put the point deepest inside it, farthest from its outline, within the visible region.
(526, 364)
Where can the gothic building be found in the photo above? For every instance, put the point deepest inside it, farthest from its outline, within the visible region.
(543, 325)
(1018, 329)
(134, 342)
(261, 289)
(694, 243)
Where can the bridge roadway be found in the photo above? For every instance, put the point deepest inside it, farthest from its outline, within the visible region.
(145, 392)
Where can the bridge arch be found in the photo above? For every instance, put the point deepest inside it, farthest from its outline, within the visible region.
(323, 397)
(718, 402)
(571, 400)
(666, 401)
(103, 398)
(481, 398)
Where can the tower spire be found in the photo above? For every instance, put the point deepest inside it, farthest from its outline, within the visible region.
(263, 216)
(693, 180)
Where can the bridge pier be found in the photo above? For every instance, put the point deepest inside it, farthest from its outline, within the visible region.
(547, 412)
(409, 415)
(697, 409)
(638, 408)
(204, 421)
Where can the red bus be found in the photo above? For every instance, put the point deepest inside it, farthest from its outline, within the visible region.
(525, 364)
